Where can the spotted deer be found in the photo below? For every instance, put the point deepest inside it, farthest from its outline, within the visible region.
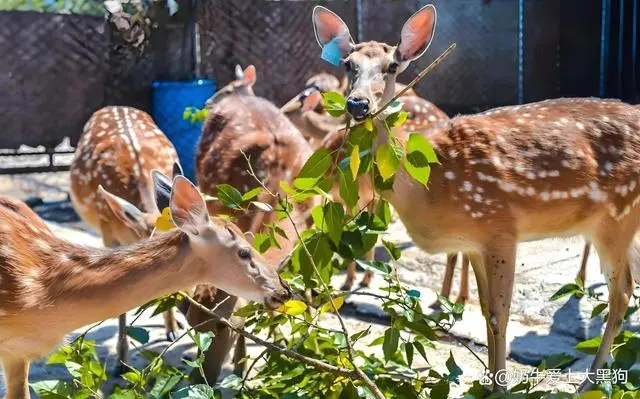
(559, 167)
(49, 287)
(118, 149)
(242, 126)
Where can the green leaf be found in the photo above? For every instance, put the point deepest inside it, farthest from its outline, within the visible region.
(395, 106)
(164, 383)
(397, 118)
(420, 348)
(393, 251)
(354, 161)
(374, 266)
(261, 242)
(328, 307)
(454, 370)
(368, 124)
(349, 392)
(589, 346)
(440, 390)
(52, 389)
(360, 334)
(565, 290)
(408, 350)
(139, 334)
(197, 363)
(203, 340)
(390, 343)
(251, 194)
(333, 216)
(320, 250)
(348, 189)
(317, 165)
(229, 196)
(133, 377)
(334, 103)
(387, 161)
(598, 309)
(200, 391)
(292, 308)
(414, 293)
(420, 154)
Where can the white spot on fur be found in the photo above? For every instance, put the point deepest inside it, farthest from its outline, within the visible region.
(449, 175)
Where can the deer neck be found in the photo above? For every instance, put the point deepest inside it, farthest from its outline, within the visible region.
(93, 285)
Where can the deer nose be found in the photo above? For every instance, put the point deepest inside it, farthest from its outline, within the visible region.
(358, 107)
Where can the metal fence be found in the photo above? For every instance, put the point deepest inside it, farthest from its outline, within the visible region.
(57, 68)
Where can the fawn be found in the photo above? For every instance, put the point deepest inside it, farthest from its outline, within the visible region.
(560, 167)
(242, 127)
(118, 149)
(49, 287)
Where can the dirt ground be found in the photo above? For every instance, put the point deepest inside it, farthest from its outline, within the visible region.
(538, 327)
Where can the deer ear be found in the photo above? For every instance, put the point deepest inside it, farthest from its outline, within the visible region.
(239, 73)
(124, 210)
(188, 209)
(311, 101)
(161, 189)
(250, 76)
(416, 34)
(177, 169)
(328, 26)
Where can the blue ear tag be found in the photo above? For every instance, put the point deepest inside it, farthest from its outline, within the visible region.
(331, 52)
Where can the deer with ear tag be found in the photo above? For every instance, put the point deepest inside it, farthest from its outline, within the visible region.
(561, 167)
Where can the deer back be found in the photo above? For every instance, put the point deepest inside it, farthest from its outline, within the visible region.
(543, 169)
(118, 149)
(244, 127)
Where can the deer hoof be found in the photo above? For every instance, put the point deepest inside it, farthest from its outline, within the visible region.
(435, 306)
(345, 287)
(172, 336)
(364, 284)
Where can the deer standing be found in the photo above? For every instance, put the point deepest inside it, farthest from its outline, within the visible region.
(49, 287)
(118, 149)
(241, 124)
(560, 167)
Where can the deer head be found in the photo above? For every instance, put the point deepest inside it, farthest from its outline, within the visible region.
(242, 85)
(372, 67)
(215, 242)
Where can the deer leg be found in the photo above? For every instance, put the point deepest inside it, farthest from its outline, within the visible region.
(479, 269)
(215, 355)
(463, 296)
(615, 258)
(170, 324)
(16, 376)
(122, 346)
(368, 274)
(498, 260)
(452, 259)
(582, 274)
(238, 355)
(351, 276)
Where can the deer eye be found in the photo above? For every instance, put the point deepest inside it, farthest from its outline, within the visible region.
(393, 67)
(244, 254)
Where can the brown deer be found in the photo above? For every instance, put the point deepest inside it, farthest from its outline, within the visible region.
(242, 126)
(118, 149)
(560, 167)
(243, 84)
(49, 287)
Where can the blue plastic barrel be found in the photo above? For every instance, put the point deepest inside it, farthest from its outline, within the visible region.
(169, 100)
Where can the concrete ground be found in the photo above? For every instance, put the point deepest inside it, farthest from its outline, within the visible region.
(538, 327)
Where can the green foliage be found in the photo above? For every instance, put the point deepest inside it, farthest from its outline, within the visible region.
(340, 234)
(195, 115)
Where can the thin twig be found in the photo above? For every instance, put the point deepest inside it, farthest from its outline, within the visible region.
(446, 330)
(421, 75)
(318, 364)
